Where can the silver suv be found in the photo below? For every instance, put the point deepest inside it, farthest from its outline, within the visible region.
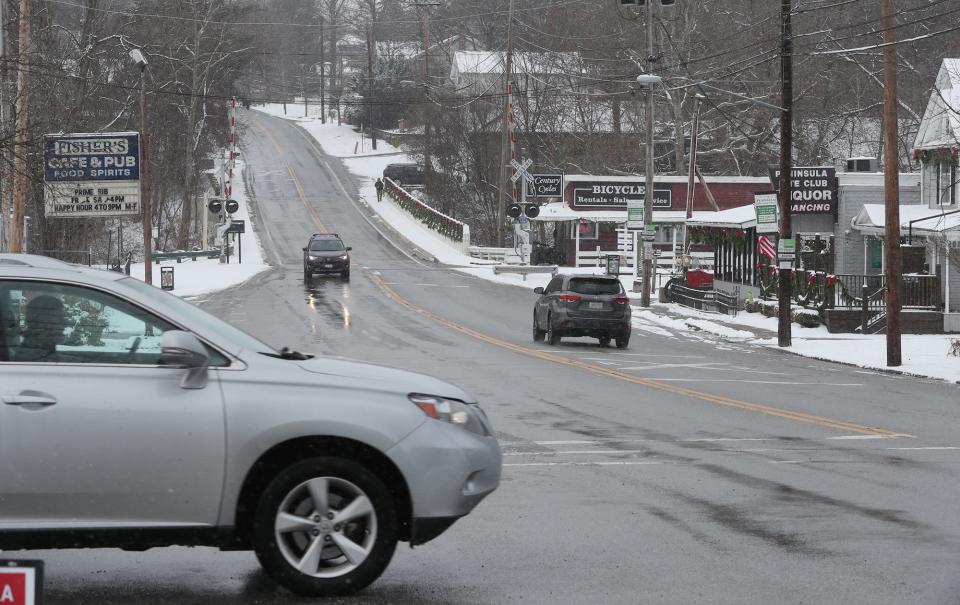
(132, 419)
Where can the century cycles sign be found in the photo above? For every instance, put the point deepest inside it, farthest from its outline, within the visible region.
(92, 174)
(588, 194)
(545, 185)
(813, 189)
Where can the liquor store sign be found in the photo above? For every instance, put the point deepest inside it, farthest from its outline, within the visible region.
(88, 175)
(813, 189)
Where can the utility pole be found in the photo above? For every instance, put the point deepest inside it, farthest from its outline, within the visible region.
(323, 67)
(648, 187)
(20, 140)
(425, 79)
(371, 44)
(786, 146)
(504, 131)
(141, 61)
(692, 171)
(4, 214)
(891, 186)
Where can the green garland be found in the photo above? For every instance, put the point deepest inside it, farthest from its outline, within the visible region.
(714, 236)
(430, 217)
(937, 156)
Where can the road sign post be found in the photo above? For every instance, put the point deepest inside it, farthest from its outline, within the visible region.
(523, 173)
(786, 253)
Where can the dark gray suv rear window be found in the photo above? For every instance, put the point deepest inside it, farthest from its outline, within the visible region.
(326, 245)
(594, 286)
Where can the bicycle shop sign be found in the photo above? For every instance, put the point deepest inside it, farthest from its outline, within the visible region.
(613, 193)
(95, 174)
(813, 189)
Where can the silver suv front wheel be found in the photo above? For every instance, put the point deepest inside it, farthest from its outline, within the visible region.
(325, 526)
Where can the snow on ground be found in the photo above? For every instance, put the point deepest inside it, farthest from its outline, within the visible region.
(924, 355)
(340, 141)
(193, 278)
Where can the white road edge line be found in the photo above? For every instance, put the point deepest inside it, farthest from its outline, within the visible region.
(617, 463)
(936, 447)
(574, 452)
(865, 437)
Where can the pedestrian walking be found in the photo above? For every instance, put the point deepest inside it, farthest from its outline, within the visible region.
(379, 186)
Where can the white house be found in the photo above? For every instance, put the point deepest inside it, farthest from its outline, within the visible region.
(478, 72)
(937, 147)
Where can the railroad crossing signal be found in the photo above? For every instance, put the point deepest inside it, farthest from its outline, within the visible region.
(521, 171)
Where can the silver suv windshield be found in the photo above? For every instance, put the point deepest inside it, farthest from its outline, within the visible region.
(161, 299)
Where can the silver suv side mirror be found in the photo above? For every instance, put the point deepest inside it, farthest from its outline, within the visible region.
(184, 350)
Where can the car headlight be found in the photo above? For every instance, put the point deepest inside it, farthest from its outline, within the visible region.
(312, 257)
(344, 257)
(449, 410)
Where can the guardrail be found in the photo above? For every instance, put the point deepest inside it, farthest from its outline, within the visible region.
(525, 270)
(489, 253)
(79, 257)
(179, 255)
(431, 217)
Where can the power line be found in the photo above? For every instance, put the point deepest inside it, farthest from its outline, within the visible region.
(293, 24)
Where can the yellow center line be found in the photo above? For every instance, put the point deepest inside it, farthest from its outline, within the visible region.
(653, 384)
(303, 198)
(273, 139)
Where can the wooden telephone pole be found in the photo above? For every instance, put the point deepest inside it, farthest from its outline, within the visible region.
(786, 145)
(505, 132)
(17, 234)
(891, 186)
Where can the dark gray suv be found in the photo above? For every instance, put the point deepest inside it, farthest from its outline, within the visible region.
(582, 305)
(325, 253)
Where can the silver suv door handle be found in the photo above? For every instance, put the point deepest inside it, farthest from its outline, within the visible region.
(30, 398)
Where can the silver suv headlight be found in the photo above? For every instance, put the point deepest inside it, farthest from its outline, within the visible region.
(449, 410)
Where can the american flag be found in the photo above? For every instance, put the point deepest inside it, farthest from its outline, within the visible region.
(766, 248)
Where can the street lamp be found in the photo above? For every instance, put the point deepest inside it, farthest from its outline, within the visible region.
(141, 61)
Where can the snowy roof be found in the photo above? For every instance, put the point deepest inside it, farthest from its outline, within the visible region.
(940, 126)
(667, 178)
(559, 212)
(742, 217)
(492, 62)
(872, 219)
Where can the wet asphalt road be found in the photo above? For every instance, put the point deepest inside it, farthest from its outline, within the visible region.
(685, 470)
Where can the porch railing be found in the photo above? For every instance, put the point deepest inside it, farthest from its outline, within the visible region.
(848, 291)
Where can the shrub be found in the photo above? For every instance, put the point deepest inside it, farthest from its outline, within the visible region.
(806, 318)
(769, 308)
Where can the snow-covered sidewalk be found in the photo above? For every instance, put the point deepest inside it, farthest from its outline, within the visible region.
(203, 276)
(922, 354)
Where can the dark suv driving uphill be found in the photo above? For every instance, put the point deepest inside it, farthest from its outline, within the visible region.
(325, 253)
(582, 305)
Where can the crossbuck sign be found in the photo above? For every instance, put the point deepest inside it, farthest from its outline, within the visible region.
(521, 171)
